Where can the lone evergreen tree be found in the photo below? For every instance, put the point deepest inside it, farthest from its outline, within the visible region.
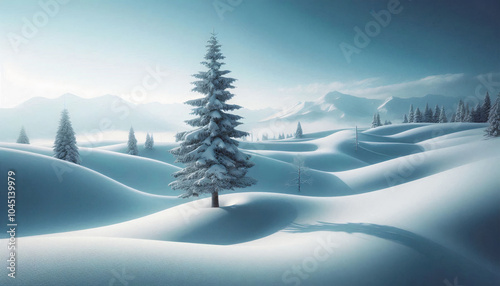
(132, 143)
(65, 144)
(485, 109)
(442, 116)
(211, 155)
(23, 138)
(298, 132)
(494, 119)
(411, 115)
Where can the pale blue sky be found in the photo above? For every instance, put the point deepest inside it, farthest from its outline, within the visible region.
(280, 51)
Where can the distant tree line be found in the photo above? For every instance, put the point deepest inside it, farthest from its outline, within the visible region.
(464, 113)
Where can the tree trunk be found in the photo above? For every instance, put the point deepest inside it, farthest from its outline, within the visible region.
(215, 199)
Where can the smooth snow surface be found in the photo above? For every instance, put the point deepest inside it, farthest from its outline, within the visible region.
(415, 204)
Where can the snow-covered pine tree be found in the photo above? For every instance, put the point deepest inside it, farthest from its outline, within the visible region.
(298, 132)
(147, 143)
(476, 116)
(374, 121)
(453, 117)
(405, 119)
(442, 116)
(23, 138)
(418, 116)
(379, 123)
(467, 113)
(428, 114)
(485, 109)
(470, 115)
(437, 113)
(411, 115)
(65, 144)
(460, 114)
(211, 155)
(152, 141)
(132, 143)
(494, 119)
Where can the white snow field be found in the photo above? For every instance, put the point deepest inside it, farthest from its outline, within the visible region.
(415, 204)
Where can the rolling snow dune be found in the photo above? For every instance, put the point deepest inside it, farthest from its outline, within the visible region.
(54, 195)
(416, 204)
(336, 237)
(129, 170)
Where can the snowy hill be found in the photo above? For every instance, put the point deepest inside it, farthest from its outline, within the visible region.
(415, 204)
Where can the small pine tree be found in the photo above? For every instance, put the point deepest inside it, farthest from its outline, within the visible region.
(149, 142)
(467, 117)
(428, 116)
(405, 119)
(152, 141)
(485, 109)
(298, 132)
(411, 115)
(493, 129)
(374, 121)
(132, 143)
(476, 116)
(437, 114)
(470, 115)
(65, 144)
(148, 139)
(453, 117)
(460, 114)
(442, 116)
(418, 116)
(213, 160)
(23, 138)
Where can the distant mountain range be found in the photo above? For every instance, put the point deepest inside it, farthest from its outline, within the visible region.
(98, 115)
(345, 110)
(110, 113)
